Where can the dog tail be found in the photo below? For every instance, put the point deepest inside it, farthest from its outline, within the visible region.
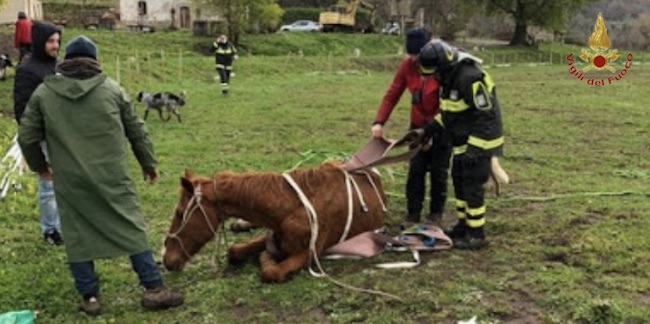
(498, 175)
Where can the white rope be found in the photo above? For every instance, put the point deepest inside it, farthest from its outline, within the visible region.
(192, 205)
(364, 207)
(372, 183)
(348, 222)
(313, 221)
(313, 225)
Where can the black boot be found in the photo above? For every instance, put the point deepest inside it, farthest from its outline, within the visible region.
(458, 231)
(474, 240)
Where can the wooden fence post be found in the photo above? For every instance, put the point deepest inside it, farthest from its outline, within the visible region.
(180, 64)
(162, 65)
(117, 68)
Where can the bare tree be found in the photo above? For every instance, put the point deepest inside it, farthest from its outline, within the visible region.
(240, 15)
(552, 15)
(448, 17)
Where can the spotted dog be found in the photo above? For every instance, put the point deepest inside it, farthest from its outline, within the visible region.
(5, 62)
(167, 100)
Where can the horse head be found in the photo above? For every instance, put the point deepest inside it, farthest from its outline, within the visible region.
(196, 220)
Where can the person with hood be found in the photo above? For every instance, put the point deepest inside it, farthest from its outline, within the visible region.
(30, 74)
(23, 35)
(424, 106)
(86, 119)
(472, 117)
(224, 53)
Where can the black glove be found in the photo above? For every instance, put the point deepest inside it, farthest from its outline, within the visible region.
(415, 136)
(432, 128)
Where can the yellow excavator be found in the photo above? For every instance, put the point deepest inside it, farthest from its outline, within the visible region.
(342, 17)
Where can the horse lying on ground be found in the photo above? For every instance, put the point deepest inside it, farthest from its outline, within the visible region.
(269, 200)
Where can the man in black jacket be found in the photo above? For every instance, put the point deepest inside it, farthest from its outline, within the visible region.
(224, 53)
(46, 40)
(470, 113)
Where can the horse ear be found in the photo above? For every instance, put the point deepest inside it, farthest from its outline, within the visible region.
(187, 185)
(185, 181)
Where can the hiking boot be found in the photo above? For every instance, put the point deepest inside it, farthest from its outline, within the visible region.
(470, 243)
(458, 231)
(161, 298)
(434, 219)
(474, 240)
(90, 306)
(53, 237)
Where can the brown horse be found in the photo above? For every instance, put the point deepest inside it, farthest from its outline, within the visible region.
(268, 200)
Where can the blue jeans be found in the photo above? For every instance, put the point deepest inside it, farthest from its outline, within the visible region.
(46, 201)
(87, 283)
(47, 204)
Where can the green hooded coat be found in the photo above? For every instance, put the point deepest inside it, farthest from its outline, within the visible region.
(86, 124)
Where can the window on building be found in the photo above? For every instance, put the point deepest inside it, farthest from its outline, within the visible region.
(142, 8)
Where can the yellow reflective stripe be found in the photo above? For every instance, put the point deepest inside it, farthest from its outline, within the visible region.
(453, 106)
(223, 51)
(458, 150)
(460, 209)
(476, 86)
(484, 144)
(474, 223)
(488, 81)
(473, 212)
(426, 71)
(221, 66)
(475, 217)
(438, 118)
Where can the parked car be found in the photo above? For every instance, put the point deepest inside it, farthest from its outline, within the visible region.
(302, 25)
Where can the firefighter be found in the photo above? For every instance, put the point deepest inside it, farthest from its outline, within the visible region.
(224, 53)
(471, 115)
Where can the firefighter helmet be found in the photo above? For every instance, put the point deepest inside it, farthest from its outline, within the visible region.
(437, 55)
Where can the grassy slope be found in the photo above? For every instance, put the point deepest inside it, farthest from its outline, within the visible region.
(574, 259)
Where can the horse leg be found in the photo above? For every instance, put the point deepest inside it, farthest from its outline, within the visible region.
(238, 252)
(277, 272)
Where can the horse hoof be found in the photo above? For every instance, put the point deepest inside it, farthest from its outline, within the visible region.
(272, 278)
(241, 225)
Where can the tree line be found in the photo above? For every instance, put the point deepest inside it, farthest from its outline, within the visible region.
(448, 19)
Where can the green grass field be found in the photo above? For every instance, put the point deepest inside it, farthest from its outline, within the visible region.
(568, 241)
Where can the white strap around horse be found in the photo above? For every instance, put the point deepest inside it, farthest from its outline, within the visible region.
(313, 222)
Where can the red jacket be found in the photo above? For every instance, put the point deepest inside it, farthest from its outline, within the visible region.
(408, 76)
(23, 33)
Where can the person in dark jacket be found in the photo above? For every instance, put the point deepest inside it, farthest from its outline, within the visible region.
(23, 35)
(46, 40)
(424, 106)
(224, 53)
(472, 117)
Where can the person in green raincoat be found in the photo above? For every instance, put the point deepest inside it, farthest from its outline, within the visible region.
(86, 119)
